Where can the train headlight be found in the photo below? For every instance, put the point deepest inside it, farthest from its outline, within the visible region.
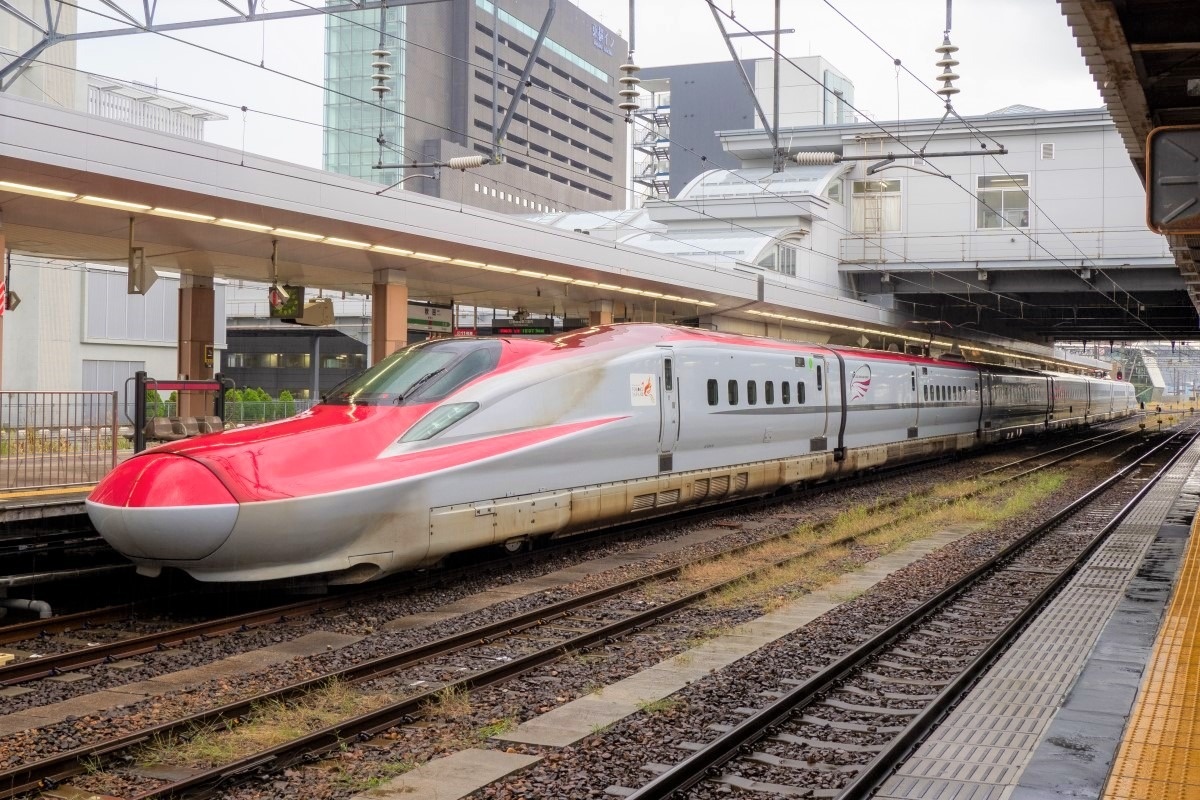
(437, 421)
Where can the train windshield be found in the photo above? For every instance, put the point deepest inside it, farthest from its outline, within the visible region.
(422, 373)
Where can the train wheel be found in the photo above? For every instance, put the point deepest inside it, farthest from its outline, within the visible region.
(516, 545)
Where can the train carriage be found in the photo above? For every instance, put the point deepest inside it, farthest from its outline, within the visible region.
(455, 444)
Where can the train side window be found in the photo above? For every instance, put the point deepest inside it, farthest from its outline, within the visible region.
(712, 392)
(819, 379)
(733, 393)
(785, 392)
(668, 375)
(752, 393)
(925, 393)
(800, 392)
(770, 391)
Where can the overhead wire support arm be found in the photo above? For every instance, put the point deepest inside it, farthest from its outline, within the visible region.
(737, 62)
(149, 25)
(821, 158)
(519, 92)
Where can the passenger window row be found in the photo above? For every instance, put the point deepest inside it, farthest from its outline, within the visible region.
(732, 393)
(944, 393)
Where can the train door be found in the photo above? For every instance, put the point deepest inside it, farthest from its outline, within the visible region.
(668, 406)
(821, 398)
(914, 394)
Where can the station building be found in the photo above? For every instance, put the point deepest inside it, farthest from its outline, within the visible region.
(1063, 208)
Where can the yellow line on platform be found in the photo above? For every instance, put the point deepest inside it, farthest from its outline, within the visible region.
(36, 492)
(1159, 757)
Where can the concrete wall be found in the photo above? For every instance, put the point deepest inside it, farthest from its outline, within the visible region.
(705, 98)
(1088, 190)
(56, 328)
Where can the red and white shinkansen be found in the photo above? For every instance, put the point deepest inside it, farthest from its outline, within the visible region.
(460, 443)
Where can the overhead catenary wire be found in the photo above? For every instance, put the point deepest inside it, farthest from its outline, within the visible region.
(555, 165)
(564, 204)
(982, 135)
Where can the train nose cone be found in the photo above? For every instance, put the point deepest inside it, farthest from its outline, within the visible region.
(163, 507)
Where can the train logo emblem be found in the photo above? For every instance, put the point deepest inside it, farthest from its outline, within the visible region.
(860, 382)
(641, 390)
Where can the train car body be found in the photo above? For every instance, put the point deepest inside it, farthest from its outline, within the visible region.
(456, 444)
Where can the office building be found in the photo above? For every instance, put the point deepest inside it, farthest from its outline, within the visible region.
(675, 132)
(454, 66)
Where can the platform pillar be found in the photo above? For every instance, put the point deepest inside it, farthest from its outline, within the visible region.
(3, 302)
(601, 312)
(389, 313)
(196, 315)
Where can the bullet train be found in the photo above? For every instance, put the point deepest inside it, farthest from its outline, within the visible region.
(460, 443)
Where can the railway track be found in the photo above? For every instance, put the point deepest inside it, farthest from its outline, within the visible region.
(840, 731)
(107, 629)
(541, 636)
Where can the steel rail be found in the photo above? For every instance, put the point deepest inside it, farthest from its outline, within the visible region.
(919, 727)
(58, 663)
(54, 769)
(55, 664)
(696, 767)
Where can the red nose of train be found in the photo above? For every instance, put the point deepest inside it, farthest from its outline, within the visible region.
(163, 506)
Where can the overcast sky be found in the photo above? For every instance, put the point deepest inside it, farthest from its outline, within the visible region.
(1012, 51)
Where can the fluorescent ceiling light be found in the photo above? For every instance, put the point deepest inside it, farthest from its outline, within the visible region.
(107, 202)
(559, 278)
(247, 226)
(188, 215)
(498, 268)
(430, 257)
(396, 251)
(346, 242)
(23, 188)
(585, 283)
(462, 262)
(529, 273)
(291, 234)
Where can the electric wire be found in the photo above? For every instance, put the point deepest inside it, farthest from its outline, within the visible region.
(941, 172)
(550, 163)
(982, 135)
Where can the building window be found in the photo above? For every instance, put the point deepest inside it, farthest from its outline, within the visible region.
(1048, 151)
(1003, 201)
(875, 206)
(834, 191)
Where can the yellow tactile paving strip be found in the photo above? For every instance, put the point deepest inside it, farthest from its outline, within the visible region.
(21, 494)
(1159, 756)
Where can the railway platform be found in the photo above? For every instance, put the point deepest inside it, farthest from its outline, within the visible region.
(22, 505)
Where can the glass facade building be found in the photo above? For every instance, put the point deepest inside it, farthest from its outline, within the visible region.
(354, 118)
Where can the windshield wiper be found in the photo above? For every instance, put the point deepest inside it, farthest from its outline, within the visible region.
(418, 384)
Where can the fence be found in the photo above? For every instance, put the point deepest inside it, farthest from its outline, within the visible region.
(239, 412)
(52, 439)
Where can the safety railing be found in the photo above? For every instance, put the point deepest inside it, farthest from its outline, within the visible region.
(58, 439)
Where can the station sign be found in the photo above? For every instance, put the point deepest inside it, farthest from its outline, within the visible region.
(1173, 179)
(524, 330)
(430, 318)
